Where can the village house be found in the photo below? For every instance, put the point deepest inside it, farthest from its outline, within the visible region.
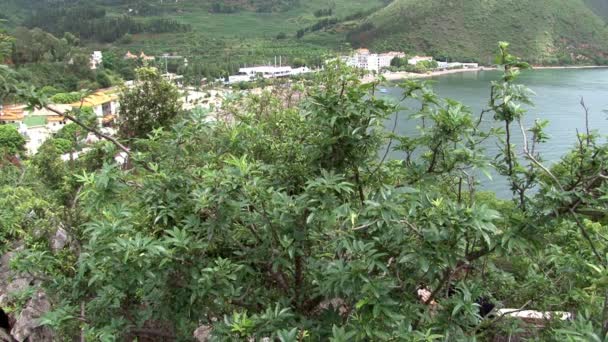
(39, 124)
(104, 104)
(141, 56)
(35, 125)
(51, 120)
(417, 59)
(13, 114)
(129, 55)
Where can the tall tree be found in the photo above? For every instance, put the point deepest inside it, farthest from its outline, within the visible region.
(6, 45)
(11, 141)
(154, 102)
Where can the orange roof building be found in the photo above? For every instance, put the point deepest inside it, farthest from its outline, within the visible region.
(12, 114)
(143, 56)
(96, 99)
(55, 118)
(129, 55)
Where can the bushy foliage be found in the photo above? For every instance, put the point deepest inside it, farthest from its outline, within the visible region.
(151, 104)
(66, 98)
(6, 46)
(11, 141)
(283, 222)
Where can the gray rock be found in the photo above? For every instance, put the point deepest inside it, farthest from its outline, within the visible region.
(28, 326)
(5, 337)
(203, 333)
(59, 240)
(10, 282)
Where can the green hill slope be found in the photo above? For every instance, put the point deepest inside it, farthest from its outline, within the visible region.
(246, 31)
(543, 31)
(600, 7)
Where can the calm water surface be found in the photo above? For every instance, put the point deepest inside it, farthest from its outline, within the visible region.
(557, 99)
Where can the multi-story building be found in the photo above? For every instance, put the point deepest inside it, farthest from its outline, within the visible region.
(363, 59)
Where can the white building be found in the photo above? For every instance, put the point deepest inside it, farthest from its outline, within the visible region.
(249, 74)
(104, 104)
(470, 65)
(96, 59)
(417, 59)
(54, 122)
(363, 59)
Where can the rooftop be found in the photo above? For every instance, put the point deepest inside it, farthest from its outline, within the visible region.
(96, 99)
(12, 113)
(55, 118)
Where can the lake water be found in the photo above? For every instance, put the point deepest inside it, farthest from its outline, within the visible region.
(557, 99)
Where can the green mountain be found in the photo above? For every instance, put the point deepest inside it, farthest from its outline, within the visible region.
(600, 7)
(222, 33)
(246, 31)
(542, 31)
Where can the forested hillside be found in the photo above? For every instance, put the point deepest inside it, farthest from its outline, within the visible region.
(544, 31)
(226, 33)
(216, 36)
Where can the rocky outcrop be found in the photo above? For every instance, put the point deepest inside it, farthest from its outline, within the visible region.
(60, 239)
(203, 333)
(25, 326)
(5, 336)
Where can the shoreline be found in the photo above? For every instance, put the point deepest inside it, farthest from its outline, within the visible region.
(404, 75)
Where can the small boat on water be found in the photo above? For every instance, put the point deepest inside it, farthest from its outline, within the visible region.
(383, 90)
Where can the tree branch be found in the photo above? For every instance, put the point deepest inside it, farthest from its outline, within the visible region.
(448, 273)
(97, 133)
(586, 120)
(558, 183)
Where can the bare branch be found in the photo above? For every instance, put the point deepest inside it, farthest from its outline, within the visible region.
(388, 147)
(571, 210)
(535, 161)
(586, 120)
(365, 226)
(97, 133)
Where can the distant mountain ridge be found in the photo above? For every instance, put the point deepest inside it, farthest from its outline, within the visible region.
(542, 31)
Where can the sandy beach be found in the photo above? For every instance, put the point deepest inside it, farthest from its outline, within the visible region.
(403, 75)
